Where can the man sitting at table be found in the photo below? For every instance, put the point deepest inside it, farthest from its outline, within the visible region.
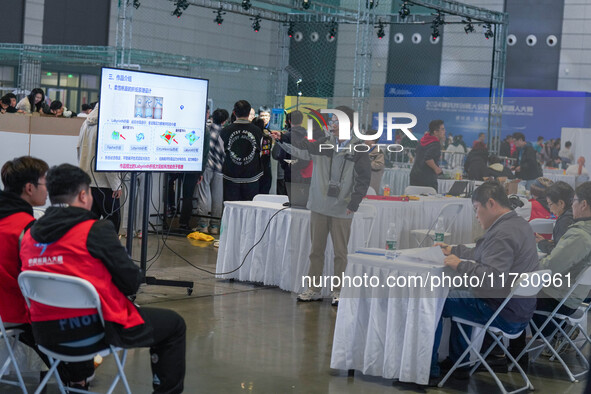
(508, 246)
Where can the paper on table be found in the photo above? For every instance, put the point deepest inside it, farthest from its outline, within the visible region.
(430, 255)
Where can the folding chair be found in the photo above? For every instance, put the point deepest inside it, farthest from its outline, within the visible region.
(64, 291)
(369, 213)
(412, 190)
(448, 211)
(278, 198)
(13, 333)
(560, 321)
(542, 226)
(525, 288)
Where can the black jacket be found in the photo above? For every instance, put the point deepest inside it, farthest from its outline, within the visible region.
(102, 243)
(560, 227)
(476, 165)
(242, 144)
(11, 203)
(528, 162)
(421, 174)
(292, 171)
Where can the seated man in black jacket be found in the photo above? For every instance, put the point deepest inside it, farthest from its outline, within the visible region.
(69, 240)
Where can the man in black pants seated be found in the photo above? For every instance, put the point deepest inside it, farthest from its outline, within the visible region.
(69, 240)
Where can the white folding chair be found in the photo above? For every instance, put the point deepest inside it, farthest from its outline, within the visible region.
(526, 286)
(416, 190)
(64, 291)
(542, 226)
(370, 191)
(449, 212)
(559, 321)
(369, 213)
(8, 334)
(278, 198)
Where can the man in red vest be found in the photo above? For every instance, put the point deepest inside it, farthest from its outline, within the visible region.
(69, 240)
(24, 188)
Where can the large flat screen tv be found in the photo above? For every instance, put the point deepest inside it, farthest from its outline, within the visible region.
(150, 122)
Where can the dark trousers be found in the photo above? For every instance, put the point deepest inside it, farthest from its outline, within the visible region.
(240, 191)
(189, 181)
(105, 206)
(165, 334)
(281, 188)
(69, 372)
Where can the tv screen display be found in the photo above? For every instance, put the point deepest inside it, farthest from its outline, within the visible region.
(150, 122)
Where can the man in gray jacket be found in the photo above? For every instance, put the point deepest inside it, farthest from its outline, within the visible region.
(508, 247)
(340, 179)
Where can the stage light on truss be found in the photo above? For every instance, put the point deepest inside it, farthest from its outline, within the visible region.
(381, 32)
(469, 28)
(256, 23)
(404, 11)
(306, 4)
(246, 5)
(488, 33)
(290, 30)
(181, 5)
(332, 32)
(218, 18)
(136, 4)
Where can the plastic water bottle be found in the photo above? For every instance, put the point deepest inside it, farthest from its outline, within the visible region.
(439, 230)
(391, 242)
(386, 190)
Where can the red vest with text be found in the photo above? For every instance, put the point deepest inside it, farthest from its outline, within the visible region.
(13, 308)
(69, 256)
(539, 212)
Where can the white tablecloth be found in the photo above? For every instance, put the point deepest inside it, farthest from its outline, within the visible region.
(397, 178)
(570, 179)
(388, 331)
(414, 215)
(282, 257)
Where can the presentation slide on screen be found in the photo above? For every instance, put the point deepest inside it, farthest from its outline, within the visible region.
(150, 122)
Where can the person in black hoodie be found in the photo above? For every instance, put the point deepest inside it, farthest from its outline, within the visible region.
(475, 166)
(242, 166)
(527, 163)
(24, 188)
(83, 246)
(426, 165)
(559, 197)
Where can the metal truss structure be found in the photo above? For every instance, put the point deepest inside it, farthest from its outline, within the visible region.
(363, 13)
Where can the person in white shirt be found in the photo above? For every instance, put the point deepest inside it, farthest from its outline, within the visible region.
(579, 171)
(565, 153)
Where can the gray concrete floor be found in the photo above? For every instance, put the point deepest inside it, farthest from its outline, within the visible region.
(243, 337)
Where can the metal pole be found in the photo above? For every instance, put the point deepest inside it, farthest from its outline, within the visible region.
(131, 215)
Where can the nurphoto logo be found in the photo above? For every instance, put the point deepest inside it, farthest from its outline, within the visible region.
(344, 128)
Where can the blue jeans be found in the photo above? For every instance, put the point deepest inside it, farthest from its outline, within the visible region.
(461, 303)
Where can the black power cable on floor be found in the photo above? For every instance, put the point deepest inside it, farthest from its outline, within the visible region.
(245, 256)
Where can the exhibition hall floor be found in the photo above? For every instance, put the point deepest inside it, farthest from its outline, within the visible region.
(242, 337)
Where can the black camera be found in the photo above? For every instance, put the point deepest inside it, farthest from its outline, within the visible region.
(333, 190)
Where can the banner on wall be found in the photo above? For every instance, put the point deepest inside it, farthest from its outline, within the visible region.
(291, 104)
(465, 110)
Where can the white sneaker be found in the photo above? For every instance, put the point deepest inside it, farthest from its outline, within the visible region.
(309, 295)
(336, 295)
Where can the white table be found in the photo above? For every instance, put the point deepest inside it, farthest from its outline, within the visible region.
(282, 257)
(412, 215)
(397, 178)
(570, 179)
(388, 331)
